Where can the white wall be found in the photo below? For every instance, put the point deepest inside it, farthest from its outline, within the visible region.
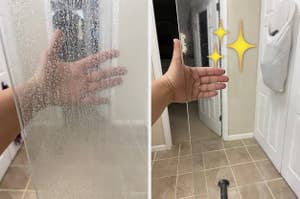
(134, 55)
(242, 86)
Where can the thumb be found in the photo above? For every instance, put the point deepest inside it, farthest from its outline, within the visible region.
(176, 52)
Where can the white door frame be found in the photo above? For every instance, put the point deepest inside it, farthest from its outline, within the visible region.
(224, 93)
(157, 70)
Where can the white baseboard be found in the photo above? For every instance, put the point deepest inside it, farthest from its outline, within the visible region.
(161, 147)
(7, 157)
(238, 136)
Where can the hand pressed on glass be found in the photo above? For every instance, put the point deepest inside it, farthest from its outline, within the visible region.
(57, 83)
(62, 83)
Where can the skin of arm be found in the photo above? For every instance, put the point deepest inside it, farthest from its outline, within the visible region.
(183, 84)
(8, 119)
(57, 83)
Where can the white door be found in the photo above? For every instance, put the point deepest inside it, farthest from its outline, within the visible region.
(209, 109)
(271, 107)
(291, 161)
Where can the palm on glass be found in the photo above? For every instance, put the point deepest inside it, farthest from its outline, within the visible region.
(68, 83)
(192, 83)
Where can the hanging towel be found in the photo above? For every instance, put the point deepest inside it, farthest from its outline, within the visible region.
(275, 60)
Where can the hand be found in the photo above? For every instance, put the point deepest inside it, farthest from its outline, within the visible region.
(192, 83)
(69, 83)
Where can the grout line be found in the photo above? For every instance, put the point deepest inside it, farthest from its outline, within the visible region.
(13, 190)
(193, 196)
(234, 178)
(176, 182)
(156, 159)
(265, 182)
(204, 173)
(19, 166)
(213, 168)
(261, 175)
(26, 188)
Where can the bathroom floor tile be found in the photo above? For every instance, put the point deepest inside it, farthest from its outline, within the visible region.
(11, 194)
(232, 194)
(189, 164)
(212, 145)
(185, 149)
(30, 186)
(238, 155)
(257, 153)
(30, 195)
(267, 170)
(246, 174)
(163, 187)
(196, 197)
(199, 183)
(257, 191)
(21, 158)
(197, 147)
(168, 153)
(250, 141)
(215, 159)
(213, 176)
(248, 179)
(185, 185)
(234, 143)
(281, 190)
(15, 178)
(165, 168)
(190, 184)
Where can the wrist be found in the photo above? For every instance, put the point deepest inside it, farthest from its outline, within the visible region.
(169, 88)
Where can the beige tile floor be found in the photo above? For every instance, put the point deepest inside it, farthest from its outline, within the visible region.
(192, 170)
(16, 183)
(188, 170)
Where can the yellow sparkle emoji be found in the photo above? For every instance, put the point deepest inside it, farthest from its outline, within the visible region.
(220, 32)
(215, 56)
(241, 46)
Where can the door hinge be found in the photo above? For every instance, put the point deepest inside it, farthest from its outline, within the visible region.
(220, 118)
(218, 6)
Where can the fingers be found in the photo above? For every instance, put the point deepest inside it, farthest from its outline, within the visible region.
(107, 73)
(97, 58)
(212, 87)
(94, 100)
(176, 52)
(209, 71)
(213, 79)
(104, 84)
(56, 43)
(207, 94)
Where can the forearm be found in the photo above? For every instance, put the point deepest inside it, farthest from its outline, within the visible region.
(162, 96)
(9, 123)
(31, 102)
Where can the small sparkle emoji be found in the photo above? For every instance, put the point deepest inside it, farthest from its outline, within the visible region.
(220, 32)
(241, 46)
(215, 56)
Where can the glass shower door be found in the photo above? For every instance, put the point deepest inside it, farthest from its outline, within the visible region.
(81, 135)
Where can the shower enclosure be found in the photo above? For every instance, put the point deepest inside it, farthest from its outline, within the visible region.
(91, 143)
